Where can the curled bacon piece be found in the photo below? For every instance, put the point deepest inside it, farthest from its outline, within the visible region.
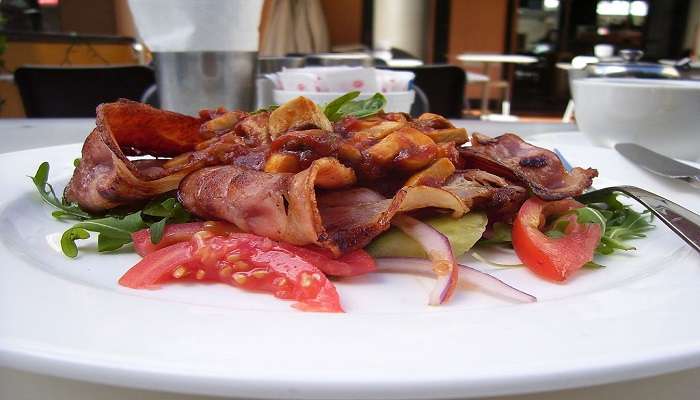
(142, 129)
(480, 190)
(278, 206)
(352, 218)
(541, 170)
(245, 143)
(105, 178)
(315, 205)
(286, 207)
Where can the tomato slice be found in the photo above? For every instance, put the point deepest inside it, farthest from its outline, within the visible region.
(171, 234)
(175, 233)
(553, 258)
(157, 267)
(242, 260)
(357, 262)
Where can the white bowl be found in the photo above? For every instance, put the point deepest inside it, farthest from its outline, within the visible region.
(395, 101)
(663, 115)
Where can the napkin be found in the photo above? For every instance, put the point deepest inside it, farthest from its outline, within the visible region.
(342, 79)
(197, 25)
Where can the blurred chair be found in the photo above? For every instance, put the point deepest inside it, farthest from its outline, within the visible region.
(399, 53)
(421, 104)
(64, 92)
(475, 78)
(443, 86)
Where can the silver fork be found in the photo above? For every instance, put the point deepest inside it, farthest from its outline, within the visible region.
(683, 222)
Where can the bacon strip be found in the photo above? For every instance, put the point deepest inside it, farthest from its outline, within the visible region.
(278, 206)
(142, 129)
(285, 206)
(298, 208)
(352, 218)
(106, 178)
(541, 170)
(480, 190)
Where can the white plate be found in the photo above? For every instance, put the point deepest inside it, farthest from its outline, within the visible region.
(69, 318)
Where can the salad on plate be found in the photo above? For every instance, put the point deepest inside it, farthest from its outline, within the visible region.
(287, 199)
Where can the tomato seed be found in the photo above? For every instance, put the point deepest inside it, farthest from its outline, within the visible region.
(305, 280)
(225, 272)
(259, 273)
(279, 281)
(240, 278)
(242, 266)
(179, 272)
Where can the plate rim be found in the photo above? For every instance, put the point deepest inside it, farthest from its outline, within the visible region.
(668, 360)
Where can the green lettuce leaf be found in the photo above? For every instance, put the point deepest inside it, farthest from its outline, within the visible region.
(461, 232)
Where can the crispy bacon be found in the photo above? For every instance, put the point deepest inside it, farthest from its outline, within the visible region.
(309, 191)
(106, 179)
(314, 206)
(480, 190)
(285, 206)
(352, 218)
(541, 170)
(141, 129)
(244, 144)
(280, 206)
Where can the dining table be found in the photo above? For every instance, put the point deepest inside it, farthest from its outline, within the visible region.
(18, 383)
(488, 61)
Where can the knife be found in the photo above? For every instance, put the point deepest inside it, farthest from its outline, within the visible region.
(659, 164)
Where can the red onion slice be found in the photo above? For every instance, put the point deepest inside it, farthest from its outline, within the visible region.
(467, 275)
(439, 251)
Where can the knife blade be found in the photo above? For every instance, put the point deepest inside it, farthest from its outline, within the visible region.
(659, 164)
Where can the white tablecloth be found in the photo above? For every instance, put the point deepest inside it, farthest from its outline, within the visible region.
(15, 385)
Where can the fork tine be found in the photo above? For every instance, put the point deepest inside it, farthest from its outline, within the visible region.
(683, 222)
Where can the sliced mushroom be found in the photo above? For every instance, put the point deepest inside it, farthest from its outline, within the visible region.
(297, 114)
(434, 175)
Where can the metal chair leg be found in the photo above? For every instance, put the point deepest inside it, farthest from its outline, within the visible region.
(485, 99)
(485, 90)
(505, 104)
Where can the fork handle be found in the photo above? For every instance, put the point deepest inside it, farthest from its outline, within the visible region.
(682, 221)
(693, 180)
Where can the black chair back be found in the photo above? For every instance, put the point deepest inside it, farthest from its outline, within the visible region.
(64, 92)
(399, 53)
(443, 85)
